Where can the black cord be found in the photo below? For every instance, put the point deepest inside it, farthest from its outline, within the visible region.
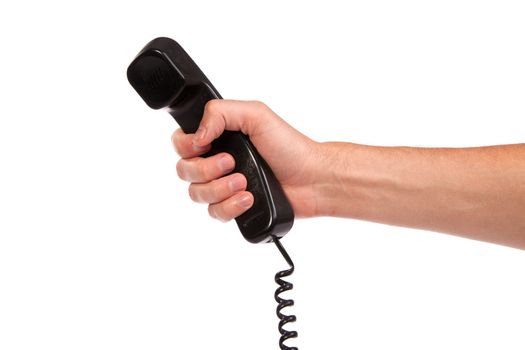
(282, 303)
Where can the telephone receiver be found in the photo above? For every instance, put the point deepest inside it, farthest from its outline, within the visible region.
(166, 77)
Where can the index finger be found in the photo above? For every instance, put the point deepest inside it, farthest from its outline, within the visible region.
(183, 144)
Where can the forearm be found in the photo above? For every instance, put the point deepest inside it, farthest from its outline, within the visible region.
(477, 193)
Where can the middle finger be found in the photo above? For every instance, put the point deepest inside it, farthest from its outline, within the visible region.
(202, 170)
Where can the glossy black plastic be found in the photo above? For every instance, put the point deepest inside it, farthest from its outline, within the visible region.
(165, 76)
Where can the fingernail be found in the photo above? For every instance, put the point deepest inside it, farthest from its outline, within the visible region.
(199, 135)
(237, 183)
(245, 201)
(226, 164)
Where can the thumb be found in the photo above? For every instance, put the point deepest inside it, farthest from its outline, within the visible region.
(249, 117)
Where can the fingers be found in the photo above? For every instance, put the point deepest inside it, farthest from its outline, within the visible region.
(231, 207)
(201, 170)
(220, 115)
(217, 190)
(183, 144)
(227, 195)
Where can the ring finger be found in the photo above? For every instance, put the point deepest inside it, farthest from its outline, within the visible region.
(217, 190)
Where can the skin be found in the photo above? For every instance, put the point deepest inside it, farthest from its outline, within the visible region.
(477, 193)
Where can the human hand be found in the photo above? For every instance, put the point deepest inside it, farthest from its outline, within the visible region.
(293, 157)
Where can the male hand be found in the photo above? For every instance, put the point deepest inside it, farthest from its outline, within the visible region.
(293, 157)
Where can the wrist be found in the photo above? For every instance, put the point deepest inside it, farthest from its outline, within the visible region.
(334, 178)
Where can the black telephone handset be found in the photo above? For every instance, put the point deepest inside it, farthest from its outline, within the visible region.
(165, 76)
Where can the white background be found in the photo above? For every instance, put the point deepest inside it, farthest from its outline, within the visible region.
(101, 248)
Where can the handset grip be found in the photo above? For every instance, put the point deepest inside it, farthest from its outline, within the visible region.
(165, 76)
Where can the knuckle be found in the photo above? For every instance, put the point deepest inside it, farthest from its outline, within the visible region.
(211, 211)
(259, 105)
(205, 173)
(176, 140)
(177, 148)
(193, 193)
(181, 171)
(209, 193)
(211, 106)
(215, 191)
(216, 211)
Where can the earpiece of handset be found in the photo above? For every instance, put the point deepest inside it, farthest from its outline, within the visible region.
(165, 76)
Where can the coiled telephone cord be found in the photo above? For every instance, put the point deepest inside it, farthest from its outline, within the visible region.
(282, 303)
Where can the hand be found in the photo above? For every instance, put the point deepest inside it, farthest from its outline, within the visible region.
(293, 157)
